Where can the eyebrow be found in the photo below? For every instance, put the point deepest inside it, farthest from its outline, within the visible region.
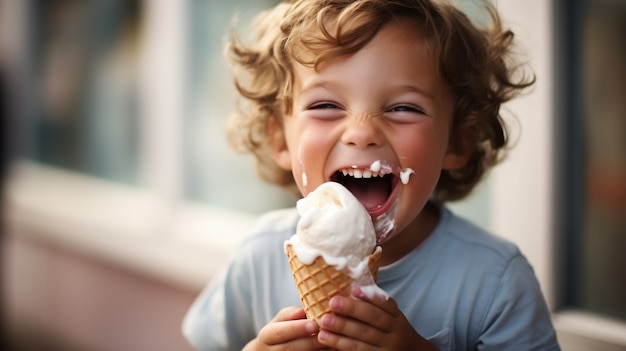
(330, 84)
(319, 84)
(412, 88)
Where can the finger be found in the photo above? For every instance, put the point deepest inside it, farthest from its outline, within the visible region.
(308, 343)
(376, 296)
(288, 324)
(363, 311)
(289, 313)
(286, 331)
(351, 328)
(340, 342)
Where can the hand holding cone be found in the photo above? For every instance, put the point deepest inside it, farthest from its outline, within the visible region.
(318, 282)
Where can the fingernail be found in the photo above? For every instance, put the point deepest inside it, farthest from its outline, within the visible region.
(328, 320)
(323, 335)
(336, 302)
(310, 327)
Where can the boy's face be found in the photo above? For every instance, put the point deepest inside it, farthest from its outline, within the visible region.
(384, 103)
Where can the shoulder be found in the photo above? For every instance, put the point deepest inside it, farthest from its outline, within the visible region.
(277, 225)
(268, 234)
(277, 221)
(485, 264)
(460, 233)
(499, 285)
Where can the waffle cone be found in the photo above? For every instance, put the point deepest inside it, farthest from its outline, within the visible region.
(318, 282)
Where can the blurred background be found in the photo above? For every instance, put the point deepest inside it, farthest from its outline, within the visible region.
(121, 198)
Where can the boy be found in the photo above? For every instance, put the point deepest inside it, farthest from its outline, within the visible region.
(336, 87)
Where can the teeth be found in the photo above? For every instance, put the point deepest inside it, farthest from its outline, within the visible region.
(357, 173)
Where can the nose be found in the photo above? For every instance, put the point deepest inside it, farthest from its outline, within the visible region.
(362, 132)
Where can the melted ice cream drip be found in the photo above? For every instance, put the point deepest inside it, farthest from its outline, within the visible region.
(405, 174)
(385, 224)
(380, 166)
(375, 166)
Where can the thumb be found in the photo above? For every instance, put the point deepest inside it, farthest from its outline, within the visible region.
(289, 314)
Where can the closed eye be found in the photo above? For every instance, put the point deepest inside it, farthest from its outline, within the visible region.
(325, 111)
(407, 108)
(405, 113)
(323, 105)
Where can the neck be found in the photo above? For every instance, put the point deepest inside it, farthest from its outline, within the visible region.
(412, 236)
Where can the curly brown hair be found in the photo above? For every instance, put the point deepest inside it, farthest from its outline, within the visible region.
(477, 64)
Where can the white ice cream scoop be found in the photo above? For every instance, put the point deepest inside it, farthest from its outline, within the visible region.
(334, 222)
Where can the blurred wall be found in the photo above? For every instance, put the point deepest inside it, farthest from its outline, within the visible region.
(57, 299)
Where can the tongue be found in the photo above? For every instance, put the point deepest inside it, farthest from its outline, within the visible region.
(372, 193)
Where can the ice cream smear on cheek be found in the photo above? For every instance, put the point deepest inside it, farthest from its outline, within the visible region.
(334, 225)
(304, 178)
(405, 174)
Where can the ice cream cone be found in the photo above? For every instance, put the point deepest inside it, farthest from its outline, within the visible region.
(318, 282)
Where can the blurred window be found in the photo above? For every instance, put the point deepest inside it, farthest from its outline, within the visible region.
(213, 173)
(83, 112)
(594, 188)
(88, 83)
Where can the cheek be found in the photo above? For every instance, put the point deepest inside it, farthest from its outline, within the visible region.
(427, 165)
(425, 157)
(310, 151)
(421, 148)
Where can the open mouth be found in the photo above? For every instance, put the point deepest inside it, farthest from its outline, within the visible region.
(374, 190)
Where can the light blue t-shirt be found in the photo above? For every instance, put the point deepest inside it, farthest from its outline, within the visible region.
(462, 289)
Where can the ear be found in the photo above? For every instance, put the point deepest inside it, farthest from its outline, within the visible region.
(278, 144)
(454, 160)
(458, 155)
